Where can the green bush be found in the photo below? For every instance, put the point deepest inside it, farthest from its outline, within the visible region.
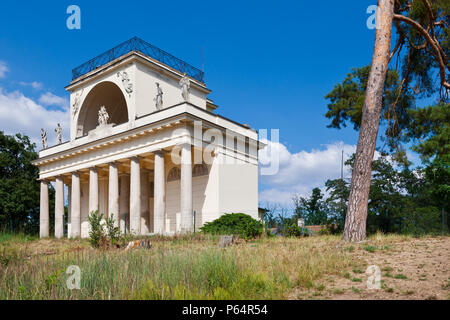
(234, 223)
(102, 235)
(97, 235)
(113, 231)
(292, 230)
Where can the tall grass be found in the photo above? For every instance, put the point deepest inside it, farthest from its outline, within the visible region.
(16, 237)
(182, 268)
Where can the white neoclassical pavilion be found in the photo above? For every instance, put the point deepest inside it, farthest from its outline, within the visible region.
(147, 148)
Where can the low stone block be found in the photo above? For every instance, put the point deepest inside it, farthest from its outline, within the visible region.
(139, 244)
(226, 241)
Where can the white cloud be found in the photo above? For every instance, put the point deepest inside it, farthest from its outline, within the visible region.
(50, 99)
(3, 69)
(20, 114)
(35, 85)
(300, 172)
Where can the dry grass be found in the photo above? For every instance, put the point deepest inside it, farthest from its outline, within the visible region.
(194, 267)
(175, 268)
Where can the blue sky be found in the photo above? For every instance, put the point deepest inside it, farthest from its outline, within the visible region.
(269, 64)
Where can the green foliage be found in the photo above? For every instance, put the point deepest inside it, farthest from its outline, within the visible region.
(234, 223)
(53, 279)
(17, 237)
(350, 249)
(19, 188)
(338, 191)
(209, 275)
(102, 235)
(8, 256)
(293, 230)
(269, 234)
(97, 236)
(437, 184)
(400, 200)
(269, 216)
(347, 100)
(252, 230)
(422, 221)
(430, 126)
(418, 67)
(312, 209)
(412, 76)
(113, 231)
(371, 249)
(356, 290)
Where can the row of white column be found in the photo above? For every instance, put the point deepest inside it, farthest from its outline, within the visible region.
(118, 204)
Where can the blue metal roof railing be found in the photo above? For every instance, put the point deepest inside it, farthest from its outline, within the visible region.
(136, 44)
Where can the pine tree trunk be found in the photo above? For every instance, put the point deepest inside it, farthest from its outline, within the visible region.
(355, 222)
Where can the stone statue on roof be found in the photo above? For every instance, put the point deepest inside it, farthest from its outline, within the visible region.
(58, 131)
(44, 139)
(185, 84)
(159, 97)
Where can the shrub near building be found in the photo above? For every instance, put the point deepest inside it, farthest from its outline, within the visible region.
(236, 224)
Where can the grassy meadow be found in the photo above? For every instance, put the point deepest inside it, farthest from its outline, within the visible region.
(184, 267)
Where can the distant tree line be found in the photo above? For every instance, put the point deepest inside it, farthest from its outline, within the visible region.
(401, 200)
(19, 185)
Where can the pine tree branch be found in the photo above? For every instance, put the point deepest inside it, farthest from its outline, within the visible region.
(431, 26)
(434, 45)
(399, 44)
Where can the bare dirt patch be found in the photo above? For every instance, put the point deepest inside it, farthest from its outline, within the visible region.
(410, 269)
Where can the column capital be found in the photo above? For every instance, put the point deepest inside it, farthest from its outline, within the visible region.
(160, 152)
(113, 163)
(75, 173)
(184, 144)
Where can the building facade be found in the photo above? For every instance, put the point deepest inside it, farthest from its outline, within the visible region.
(147, 148)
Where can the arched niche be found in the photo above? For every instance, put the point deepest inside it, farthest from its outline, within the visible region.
(174, 174)
(106, 94)
(200, 170)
